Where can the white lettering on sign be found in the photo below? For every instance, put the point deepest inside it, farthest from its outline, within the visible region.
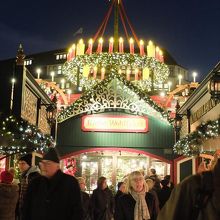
(115, 123)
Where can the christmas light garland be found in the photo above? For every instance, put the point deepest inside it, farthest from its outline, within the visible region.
(73, 70)
(87, 96)
(19, 137)
(191, 144)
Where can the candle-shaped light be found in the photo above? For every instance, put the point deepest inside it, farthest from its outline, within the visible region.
(38, 72)
(80, 48)
(62, 81)
(95, 69)
(102, 73)
(90, 46)
(151, 49)
(111, 45)
(161, 56)
(141, 47)
(73, 51)
(12, 92)
(128, 74)
(131, 45)
(145, 73)
(69, 91)
(121, 45)
(52, 76)
(194, 74)
(69, 58)
(100, 44)
(120, 71)
(136, 72)
(180, 78)
(157, 53)
(169, 85)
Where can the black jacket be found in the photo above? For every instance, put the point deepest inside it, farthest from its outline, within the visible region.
(85, 205)
(53, 199)
(164, 195)
(125, 207)
(102, 204)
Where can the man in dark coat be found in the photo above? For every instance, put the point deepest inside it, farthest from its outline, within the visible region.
(102, 201)
(54, 195)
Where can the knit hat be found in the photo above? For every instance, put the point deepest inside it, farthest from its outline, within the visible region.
(52, 155)
(27, 158)
(6, 177)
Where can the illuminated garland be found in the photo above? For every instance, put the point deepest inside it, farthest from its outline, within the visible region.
(191, 144)
(88, 95)
(19, 137)
(74, 69)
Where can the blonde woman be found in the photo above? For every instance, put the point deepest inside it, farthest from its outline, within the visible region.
(137, 203)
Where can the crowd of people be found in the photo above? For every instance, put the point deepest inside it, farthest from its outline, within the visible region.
(50, 194)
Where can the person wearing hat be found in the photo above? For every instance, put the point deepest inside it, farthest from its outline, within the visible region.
(28, 173)
(54, 195)
(8, 196)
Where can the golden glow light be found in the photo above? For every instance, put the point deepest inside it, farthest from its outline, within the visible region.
(111, 39)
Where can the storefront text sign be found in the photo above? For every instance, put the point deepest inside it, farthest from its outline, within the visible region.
(203, 110)
(112, 123)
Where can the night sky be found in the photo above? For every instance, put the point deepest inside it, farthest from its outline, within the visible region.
(188, 29)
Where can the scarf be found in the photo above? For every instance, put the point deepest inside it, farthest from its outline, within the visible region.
(141, 211)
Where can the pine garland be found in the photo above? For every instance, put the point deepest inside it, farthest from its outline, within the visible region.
(20, 137)
(191, 144)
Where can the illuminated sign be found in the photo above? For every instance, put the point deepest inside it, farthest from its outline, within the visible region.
(113, 123)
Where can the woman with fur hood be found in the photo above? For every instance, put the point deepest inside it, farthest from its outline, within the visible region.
(8, 196)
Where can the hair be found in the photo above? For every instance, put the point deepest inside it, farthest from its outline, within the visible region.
(119, 184)
(12, 171)
(150, 183)
(164, 182)
(167, 177)
(131, 176)
(81, 180)
(100, 181)
(153, 171)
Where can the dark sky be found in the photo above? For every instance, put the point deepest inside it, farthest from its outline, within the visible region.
(188, 29)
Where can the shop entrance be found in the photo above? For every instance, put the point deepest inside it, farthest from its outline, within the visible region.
(114, 164)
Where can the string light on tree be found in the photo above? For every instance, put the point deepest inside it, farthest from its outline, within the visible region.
(13, 80)
(194, 74)
(38, 73)
(180, 78)
(52, 76)
(169, 85)
(62, 83)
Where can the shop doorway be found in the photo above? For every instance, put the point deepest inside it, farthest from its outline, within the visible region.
(114, 164)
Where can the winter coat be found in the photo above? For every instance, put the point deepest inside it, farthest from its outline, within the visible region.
(102, 204)
(53, 199)
(124, 209)
(85, 205)
(118, 194)
(26, 178)
(164, 195)
(181, 204)
(8, 201)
